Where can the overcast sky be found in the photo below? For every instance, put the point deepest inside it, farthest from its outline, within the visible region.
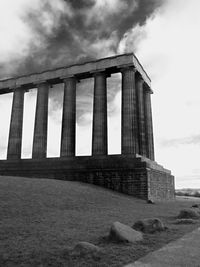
(164, 35)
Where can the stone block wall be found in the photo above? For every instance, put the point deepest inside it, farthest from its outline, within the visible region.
(160, 185)
(138, 177)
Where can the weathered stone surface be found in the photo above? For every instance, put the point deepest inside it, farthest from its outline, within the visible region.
(99, 131)
(160, 185)
(141, 116)
(41, 120)
(68, 135)
(15, 134)
(129, 128)
(83, 248)
(124, 233)
(188, 214)
(149, 124)
(149, 225)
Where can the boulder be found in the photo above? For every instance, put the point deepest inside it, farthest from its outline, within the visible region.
(185, 221)
(149, 225)
(195, 206)
(188, 214)
(150, 201)
(83, 248)
(124, 233)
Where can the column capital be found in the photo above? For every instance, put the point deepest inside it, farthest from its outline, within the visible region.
(147, 89)
(140, 80)
(68, 77)
(100, 72)
(126, 67)
(18, 88)
(42, 82)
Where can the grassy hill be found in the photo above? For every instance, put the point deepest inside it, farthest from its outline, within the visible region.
(41, 219)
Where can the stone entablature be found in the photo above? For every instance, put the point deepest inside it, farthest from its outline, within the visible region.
(83, 70)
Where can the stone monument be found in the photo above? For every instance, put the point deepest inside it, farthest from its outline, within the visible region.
(133, 172)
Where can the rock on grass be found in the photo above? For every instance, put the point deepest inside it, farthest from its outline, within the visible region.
(185, 221)
(123, 233)
(149, 225)
(196, 206)
(85, 248)
(188, 214)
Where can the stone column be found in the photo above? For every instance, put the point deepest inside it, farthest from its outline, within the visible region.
(141, 116)
(68, 135)
(41, 118)
(129, 135)
(15, 134)
(99, 131)
(149, 124)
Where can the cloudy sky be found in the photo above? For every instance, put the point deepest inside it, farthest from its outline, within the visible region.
(164, 35)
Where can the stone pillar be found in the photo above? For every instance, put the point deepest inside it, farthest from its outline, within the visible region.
(141, 116)
(129, 135)
(15, 134)
(149, 124)
(99, 131)
(41, 119)
(68, 135)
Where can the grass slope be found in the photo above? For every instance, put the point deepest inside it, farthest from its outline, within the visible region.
(41, 219)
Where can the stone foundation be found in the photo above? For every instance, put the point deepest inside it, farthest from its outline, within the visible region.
(139, 177)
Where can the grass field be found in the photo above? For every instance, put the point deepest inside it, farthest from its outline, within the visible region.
(41, 219)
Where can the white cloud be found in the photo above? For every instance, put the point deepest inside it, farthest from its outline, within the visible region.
(168, 47)
(18, 36)
(28, 123)
(14, 33)
(114, 126)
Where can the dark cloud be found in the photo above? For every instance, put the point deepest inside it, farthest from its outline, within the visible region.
(192, 140)
(81, 30)
(81, 4)
(87, 23)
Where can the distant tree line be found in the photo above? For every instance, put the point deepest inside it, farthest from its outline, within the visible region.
(188, 194)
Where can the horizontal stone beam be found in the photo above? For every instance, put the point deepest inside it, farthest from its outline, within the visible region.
(82, 70)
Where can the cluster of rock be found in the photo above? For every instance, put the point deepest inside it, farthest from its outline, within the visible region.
(83, 248)
(188, 216)
(149, 225)
(120, 232)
